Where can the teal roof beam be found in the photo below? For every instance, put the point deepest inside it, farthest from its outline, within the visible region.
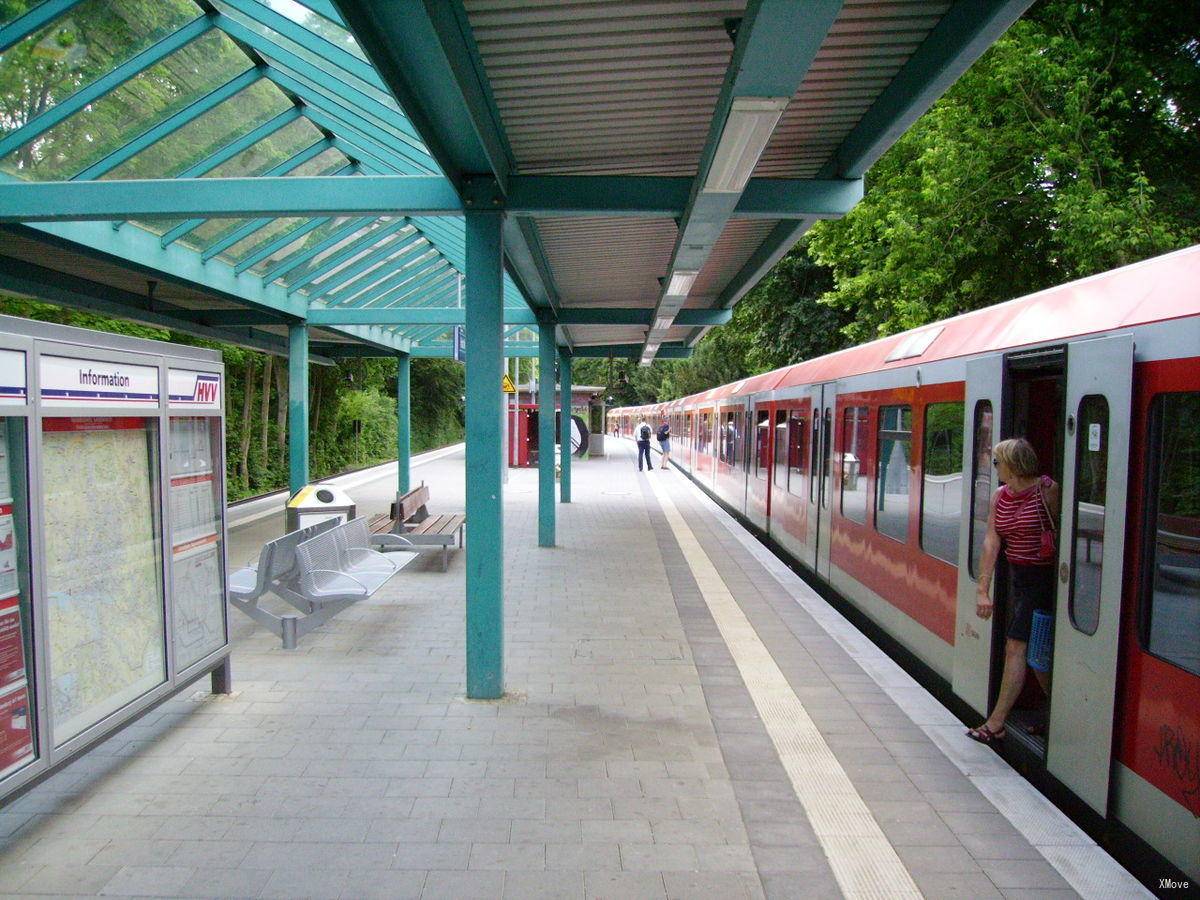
(172, 123)
(213, 198)
(300, 257)
(34, 20)
(376, 148)
(313, 43)
(374, 266)
(110, 81)
(775, 44)
(234, 208)
(351, 250)
(960, 37)
(368, 161)
(385, 280)
(406, 315)
(264, 251)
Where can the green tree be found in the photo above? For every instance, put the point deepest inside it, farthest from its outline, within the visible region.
(1069, 148)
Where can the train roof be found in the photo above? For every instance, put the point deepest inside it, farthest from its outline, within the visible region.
(1154, 290)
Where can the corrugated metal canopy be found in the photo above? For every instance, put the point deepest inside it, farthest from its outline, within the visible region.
(654, 158)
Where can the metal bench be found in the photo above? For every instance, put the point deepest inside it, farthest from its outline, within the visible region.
(411, 527)
(319, 570)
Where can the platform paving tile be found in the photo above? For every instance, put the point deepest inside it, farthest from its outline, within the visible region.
(627, 760)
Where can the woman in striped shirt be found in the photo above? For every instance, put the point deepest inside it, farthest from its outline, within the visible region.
(1023, 514)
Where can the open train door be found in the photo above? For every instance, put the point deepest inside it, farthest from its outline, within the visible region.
(981, 423)
(1091, 562)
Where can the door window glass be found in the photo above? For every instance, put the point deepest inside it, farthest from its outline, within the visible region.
(854, 480)
(1091, 478)
(795, 454)
(1171, 614)
(942, 479)
(813, 478)
(762, 442)
(891, 471)
(981, 480)
(780, 474)
(827, 463)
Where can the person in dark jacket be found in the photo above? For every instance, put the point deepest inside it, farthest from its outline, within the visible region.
(642, 434)
(664, 442)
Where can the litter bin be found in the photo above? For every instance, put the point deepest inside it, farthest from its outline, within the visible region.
(315, 503)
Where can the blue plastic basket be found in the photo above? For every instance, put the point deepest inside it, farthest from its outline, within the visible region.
(1041, 641)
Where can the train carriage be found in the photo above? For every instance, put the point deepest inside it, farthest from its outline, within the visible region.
(872, 468)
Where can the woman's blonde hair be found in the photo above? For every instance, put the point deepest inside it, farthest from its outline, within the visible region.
(1020, 457)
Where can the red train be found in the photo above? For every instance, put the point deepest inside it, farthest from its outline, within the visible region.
(872, 468)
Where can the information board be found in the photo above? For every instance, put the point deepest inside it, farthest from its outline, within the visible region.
(12, 378)
(196, 552)
(103, 585)
(66, 381)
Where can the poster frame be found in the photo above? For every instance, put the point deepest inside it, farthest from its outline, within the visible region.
(38, 339)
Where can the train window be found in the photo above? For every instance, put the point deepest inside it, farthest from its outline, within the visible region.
(795, 455)
(762, 444)
(891, 471)
(854, 447)
(780, 475)
(942, 476)
(981, 481)
(1171, 588)
(1091, 479)
(827, 440)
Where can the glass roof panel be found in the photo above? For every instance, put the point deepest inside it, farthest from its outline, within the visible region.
(302, 271)
(310, 239)
(306, 55)
(282, 145)
(335, 275)
(268, 232)
(202, 137)
(120, 116)
(14, 9)
(78, 48)
(318, 24)
(325, 163)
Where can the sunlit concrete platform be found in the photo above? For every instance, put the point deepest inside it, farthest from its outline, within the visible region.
(685, 718)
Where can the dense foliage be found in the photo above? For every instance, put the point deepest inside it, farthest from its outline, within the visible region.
(1069, 148)
(352, 412)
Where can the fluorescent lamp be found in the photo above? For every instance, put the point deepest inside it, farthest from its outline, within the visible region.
(681, 282)
(749, 126)
(662, 323)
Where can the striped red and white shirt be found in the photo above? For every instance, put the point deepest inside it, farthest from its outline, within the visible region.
(1021, 517)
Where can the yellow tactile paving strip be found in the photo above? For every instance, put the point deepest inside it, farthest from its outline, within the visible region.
(860, 855)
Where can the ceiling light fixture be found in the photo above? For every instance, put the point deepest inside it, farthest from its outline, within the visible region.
(662, 323)
(749, 126)
(681, 282)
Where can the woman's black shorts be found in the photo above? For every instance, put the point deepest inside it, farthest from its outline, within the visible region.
(1029, 588)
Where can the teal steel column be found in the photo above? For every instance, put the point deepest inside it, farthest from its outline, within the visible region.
(484, 297)
(297, 406)
(403, 422)
(564, 434)
(546, 353)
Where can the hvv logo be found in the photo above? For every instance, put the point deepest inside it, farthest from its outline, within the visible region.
(207, 388)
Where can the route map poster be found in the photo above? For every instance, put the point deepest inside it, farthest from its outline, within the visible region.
(103, 584)
(199, 600)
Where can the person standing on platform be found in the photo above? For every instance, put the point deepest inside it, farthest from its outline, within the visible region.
(664, 442)
(642, 435)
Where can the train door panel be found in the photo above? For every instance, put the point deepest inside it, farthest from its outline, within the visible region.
(1091, 562)
(759, 438)
(973, 635)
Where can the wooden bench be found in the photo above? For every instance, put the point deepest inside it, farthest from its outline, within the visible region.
(319, 570)
(411, 527)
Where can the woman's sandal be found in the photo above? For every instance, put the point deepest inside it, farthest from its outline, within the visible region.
(985, 735)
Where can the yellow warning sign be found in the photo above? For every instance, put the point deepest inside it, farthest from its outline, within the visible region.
(506, 385)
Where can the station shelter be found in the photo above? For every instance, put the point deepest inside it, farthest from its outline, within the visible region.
(587, 408)
(323, 179)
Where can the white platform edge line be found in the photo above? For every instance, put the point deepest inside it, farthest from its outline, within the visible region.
(1035, 817)
(352, 480)
(863, 860)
